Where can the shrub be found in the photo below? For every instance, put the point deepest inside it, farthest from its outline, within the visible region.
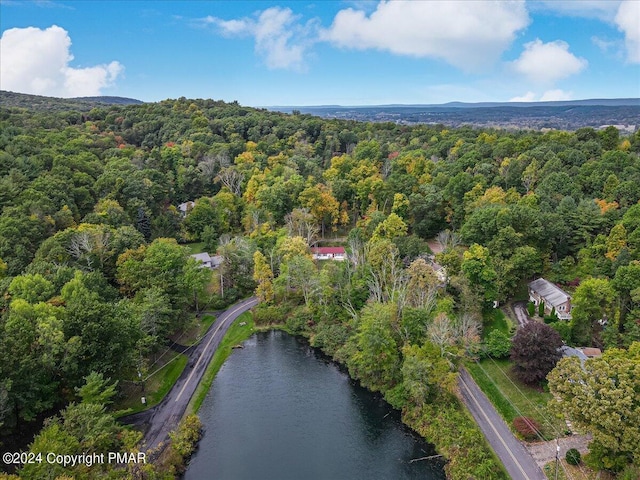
(184, 441)
(573, 456)
(541, 309)
(563, 328)
(269, 314)
(299, 320)
(498, 344)
(531, 309)
(527, 427)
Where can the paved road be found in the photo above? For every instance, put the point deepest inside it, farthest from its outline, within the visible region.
(517, 460)
(165, 416)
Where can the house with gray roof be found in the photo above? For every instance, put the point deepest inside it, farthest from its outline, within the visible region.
(185, 207)
(207, 261)
(553, 297)
(568, 351)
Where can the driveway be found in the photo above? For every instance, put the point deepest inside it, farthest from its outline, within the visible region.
(518, 462)
(165, 417)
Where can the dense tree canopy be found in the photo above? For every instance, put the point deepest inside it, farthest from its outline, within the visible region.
(93, 276)
(601, 395)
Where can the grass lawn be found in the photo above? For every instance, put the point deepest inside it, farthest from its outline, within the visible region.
(235, 335)
(574, 472)
(495, 319)
(156, 386)
(513, 398)
(195, 247)
(195, 330)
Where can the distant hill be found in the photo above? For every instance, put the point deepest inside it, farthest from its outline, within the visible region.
(565, 115)
(38, 102)
(605, 102)
(110, 100)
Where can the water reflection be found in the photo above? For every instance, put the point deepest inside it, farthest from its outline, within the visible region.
(279, 409)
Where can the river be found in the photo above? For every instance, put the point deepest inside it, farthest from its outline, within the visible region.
(278, 410)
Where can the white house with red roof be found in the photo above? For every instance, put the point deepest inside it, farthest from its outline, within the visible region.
(328, 253)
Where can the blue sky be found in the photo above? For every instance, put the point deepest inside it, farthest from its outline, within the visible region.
(265, 53)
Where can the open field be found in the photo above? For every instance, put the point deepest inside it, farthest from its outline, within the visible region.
(513, 399)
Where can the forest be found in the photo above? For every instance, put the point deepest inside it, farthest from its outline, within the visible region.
(95, 276)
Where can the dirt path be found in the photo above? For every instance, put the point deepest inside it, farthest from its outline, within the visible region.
(545, 452)
(434, 245)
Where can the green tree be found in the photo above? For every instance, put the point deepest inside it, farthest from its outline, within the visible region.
(601, 396)
(392, 227)
(476, 265)
(376, 360)
(592, 301)
(237, 265)
(203, 214)
(626, 284)
(97, 389)
(3, 269)
(425, 373)
(31, 287)
(32, 344)
(498, 344)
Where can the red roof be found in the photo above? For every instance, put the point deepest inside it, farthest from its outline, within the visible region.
(327, 250)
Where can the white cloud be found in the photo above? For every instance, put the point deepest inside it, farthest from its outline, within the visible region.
(548, 96)
(625, 14)
(37, 61)
(628, 21)
(527, 97)
(556, 95)
(465, 34)
(548, 62)
(279, 38)
(603, 44)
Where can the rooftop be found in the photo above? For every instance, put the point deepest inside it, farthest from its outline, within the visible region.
(327, 250)
(203, 257)
(551, 293)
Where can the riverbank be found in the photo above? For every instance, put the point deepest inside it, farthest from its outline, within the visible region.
(240, 330)
(445, 423)
(280, 408)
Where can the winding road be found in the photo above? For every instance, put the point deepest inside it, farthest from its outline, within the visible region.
(514, 456)
(165, 417)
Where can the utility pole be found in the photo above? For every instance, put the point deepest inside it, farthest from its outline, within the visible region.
(557, 456)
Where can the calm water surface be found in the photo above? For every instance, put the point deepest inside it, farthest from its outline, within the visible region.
(279, 410)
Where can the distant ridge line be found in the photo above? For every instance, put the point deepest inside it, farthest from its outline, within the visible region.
(608, 102)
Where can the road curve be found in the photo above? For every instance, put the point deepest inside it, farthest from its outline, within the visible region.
(516, 459)
(165, 416)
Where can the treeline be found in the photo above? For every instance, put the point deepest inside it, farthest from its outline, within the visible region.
(93, 278)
